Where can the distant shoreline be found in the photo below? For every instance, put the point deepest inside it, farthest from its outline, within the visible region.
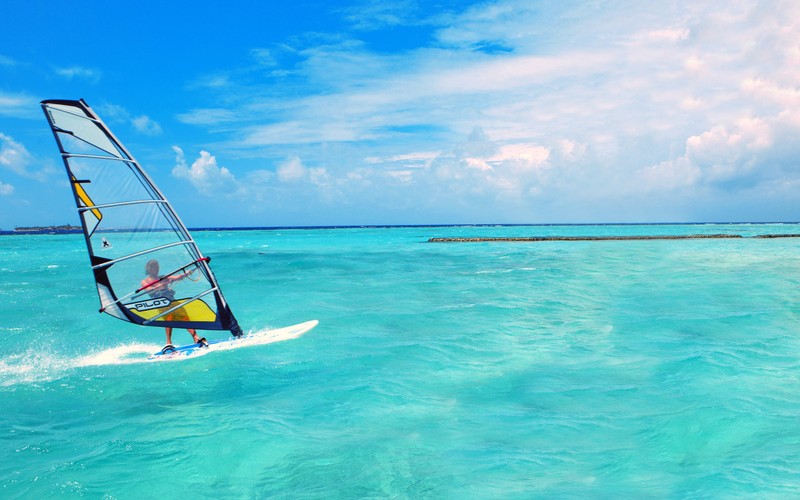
(62, 229)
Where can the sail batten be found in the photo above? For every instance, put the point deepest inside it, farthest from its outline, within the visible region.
(118, 204)
(93, 157)
(132, 232)
(139, 254)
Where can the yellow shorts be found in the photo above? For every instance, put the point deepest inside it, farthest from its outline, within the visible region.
(177, 315)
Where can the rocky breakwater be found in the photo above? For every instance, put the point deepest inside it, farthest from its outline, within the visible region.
(527, 239)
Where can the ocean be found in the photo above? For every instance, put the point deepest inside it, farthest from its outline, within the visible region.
(556, 369)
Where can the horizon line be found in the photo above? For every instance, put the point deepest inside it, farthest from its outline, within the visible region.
(53, 229)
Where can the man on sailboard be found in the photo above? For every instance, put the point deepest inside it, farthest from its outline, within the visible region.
(161, 287)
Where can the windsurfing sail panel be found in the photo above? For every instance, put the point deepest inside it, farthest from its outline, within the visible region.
(147, 267)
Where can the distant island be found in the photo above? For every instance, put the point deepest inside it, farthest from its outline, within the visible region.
(40, 229)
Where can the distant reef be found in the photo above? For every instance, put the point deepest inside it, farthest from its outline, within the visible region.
(603, 238)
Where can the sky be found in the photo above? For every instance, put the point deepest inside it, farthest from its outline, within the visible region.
(257, 113)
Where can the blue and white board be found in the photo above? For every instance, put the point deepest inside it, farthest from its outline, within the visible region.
(257, 338)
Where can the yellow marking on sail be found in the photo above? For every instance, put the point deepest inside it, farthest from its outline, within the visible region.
(84, 197)
(193, 311)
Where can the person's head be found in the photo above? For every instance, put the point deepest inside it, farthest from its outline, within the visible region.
(151, 268)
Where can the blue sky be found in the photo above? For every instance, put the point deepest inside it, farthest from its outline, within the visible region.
(410, 112)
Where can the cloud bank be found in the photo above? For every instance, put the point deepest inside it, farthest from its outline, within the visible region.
(567, 112)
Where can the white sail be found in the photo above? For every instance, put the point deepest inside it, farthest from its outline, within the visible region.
(128, 224)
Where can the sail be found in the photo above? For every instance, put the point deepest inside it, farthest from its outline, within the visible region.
(148, 269)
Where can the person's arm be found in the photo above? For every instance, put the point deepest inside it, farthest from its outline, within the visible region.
(182, 276)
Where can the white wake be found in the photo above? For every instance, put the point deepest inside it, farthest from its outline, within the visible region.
(36, 366)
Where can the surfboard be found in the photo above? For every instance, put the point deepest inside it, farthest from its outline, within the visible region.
(261, 337)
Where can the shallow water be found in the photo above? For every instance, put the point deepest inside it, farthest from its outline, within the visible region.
(552, 369)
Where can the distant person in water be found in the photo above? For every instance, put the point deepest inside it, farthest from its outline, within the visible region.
(161, 287)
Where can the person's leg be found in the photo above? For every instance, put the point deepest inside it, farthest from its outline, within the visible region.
(169, 335)
(197, 339)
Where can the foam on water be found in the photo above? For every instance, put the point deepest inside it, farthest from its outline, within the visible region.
(32, 366)
(124, 354)
(39, 366)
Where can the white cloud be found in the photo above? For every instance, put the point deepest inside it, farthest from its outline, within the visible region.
(477, 164)
(213, 81)
(146, 125)
(6, 189)
(291, 170)
(79, 73)
(510, 170)
(259, 177)
(785, 97)
(143, 124)
(7, 101)
(723, 154)
(529, 154)
(670, 175)
(417, 159)
(371, 15)
(208, 116)
(299, 132)
(667, 35)
(569, 150)
(113, 113)
(18, 105)
(264, 57)
(16, 158)
(204, 174)
(509, 73)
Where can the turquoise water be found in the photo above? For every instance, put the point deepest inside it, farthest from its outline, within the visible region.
(647, 369)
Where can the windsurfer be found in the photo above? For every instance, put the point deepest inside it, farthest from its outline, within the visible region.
(161, 287)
